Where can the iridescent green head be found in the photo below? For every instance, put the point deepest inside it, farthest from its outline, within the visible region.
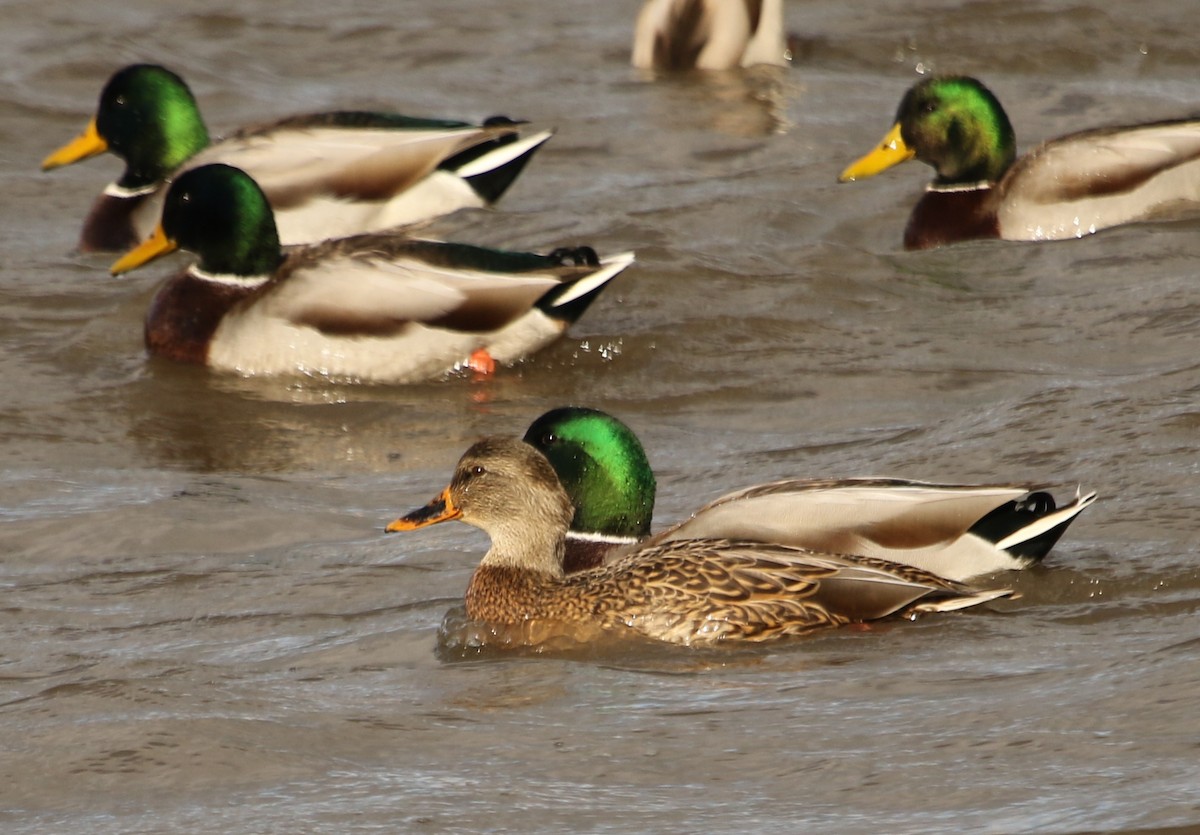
(219, 213)
(603, 467)
(956, 125)
(149, 118)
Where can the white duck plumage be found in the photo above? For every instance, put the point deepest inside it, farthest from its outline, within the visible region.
(327, 175)
(955, 531)
(375, 307)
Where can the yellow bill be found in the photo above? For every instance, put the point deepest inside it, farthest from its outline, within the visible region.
(156, 246)
(441, 509)
(87, 144)
(891, 151)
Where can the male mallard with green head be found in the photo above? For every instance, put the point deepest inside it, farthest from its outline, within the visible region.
(378, 307)
(1065, 188)
(957, 531)
(327, 175)
(690, 591)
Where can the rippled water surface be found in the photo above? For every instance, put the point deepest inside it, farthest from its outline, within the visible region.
(203, 629)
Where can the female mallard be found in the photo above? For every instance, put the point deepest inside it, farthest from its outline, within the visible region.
(327, 175)
(1065, 188)
(374, 308)
(689, 591)
(709, 34)
(954, 531)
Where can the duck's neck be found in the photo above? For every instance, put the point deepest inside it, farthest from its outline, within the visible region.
(242, 282)
(588, 550)
(613, 501)
(982, 151)
(248, 256)
(532, 549)
(981, 173)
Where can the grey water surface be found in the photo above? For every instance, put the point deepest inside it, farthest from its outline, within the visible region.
(203, 629)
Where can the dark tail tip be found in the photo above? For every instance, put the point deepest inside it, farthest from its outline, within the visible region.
(1011, 517)
(501, 121)
(490, 185)
(578, 256)
(552, 302)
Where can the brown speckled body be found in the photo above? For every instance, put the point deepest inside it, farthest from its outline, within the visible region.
(686, 591)
(703, 591)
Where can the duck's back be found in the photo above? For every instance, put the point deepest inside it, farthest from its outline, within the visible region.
(1088, 181)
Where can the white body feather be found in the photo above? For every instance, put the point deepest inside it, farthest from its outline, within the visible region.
(271, 336)
(915, 523)
(1080, 184)
(298, 169)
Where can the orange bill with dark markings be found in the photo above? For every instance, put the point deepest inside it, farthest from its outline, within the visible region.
(441, 509)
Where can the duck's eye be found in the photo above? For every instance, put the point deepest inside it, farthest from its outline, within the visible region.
(478, 470)
(120, 101)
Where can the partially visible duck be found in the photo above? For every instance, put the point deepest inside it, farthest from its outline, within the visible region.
(689, 591)
(709, 34)
(1064, 188)
(957, 531)
(371, 308)
(327, 175)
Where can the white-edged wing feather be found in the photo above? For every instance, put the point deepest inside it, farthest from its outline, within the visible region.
(331, 182)
(401, 289)
(883, 510)
(1088, 181)
(390, 318)
(915, 523)
(293, 162)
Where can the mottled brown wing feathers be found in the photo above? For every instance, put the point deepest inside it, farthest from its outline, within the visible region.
(692, 591)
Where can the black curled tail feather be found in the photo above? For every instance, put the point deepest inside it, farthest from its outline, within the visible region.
(576, 256)
(476, 151)
(1012, 517)
(492, 183)
(569, 300)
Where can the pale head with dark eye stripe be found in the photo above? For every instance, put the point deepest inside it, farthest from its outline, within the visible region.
(508, 489)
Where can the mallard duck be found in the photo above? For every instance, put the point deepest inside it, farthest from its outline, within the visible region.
(376, 307)
(327, 175)
(688, 591)
(954, 531)
(709, 34)
(1065, 188)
